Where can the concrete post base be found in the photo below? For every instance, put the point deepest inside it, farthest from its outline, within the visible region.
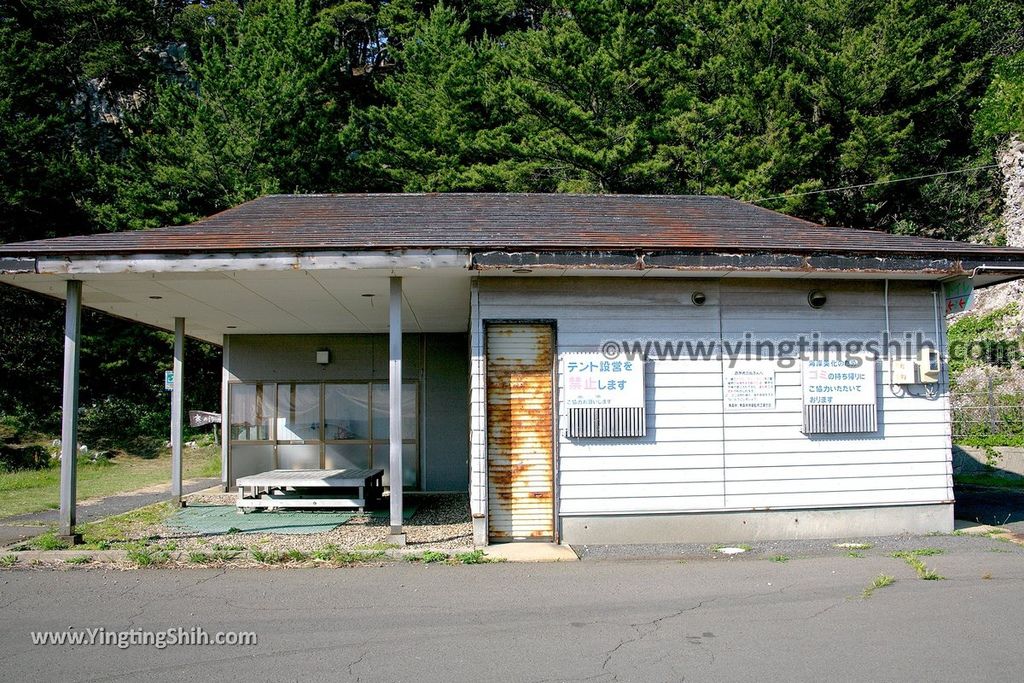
(71, 539)
(397, 539)
(480, 531)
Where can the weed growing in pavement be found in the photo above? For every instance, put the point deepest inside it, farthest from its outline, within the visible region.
(881, 581)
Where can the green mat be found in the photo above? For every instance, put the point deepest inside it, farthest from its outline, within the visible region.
(212, 520)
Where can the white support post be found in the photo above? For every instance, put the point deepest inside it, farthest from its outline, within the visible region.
(177, 409)
(69, 410)
(395, 409)
(224, 431)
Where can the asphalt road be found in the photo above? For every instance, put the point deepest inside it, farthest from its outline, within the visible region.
(652, 620)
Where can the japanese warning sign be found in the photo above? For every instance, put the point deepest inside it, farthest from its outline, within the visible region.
(593, 381)
(839, 381)
(749, 386)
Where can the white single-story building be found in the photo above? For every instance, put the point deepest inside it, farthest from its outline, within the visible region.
(591, 369)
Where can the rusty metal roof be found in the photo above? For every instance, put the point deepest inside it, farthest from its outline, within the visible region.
(510, 222)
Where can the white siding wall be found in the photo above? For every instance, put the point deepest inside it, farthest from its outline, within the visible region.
(696, 456)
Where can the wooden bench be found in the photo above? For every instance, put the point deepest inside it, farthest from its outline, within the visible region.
(310, 489)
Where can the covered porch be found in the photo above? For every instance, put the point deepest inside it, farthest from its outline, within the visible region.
(325, 356)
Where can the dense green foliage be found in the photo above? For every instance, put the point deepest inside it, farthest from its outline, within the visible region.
(129, 114)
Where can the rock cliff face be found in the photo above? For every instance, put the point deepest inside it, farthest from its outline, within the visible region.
(979, 384)
(1011, 163)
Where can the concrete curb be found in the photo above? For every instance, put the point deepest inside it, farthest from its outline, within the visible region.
(180, 558)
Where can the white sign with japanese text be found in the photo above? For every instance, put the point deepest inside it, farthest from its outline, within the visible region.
(593, 381)
(839, 381)
(749, 386)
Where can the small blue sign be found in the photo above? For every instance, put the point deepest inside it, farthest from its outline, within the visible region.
(168, 380)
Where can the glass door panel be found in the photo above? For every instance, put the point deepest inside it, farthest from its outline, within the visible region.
(382, 410)
(252, 412)
(346, 412)
(298, 412)
(344, 456)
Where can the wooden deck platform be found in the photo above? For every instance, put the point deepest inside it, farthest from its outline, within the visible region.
(311, 488)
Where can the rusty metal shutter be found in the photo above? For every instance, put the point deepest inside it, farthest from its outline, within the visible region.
(520, 432)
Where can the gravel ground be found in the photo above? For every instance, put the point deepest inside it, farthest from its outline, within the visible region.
(761, 550)
(441, 521)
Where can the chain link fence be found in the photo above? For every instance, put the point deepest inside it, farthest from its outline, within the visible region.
(988, 413)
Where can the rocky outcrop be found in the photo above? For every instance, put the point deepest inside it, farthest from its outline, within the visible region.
(1011, 164)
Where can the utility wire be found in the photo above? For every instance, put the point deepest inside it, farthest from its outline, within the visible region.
(880, 182)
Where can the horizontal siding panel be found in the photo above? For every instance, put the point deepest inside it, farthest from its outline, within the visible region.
(836, 484)
(604, 491)
(641, 505)
(611, 463)
(927, 418)
(781, 433)
(617, 447)
(771, 462)
(852, 442)
(804, 473)
(575, 478)
(838, 498)
(839, 457)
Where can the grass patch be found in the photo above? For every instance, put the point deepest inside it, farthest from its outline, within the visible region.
(356, 556)
(779, 558)
(294, 555)
(28, 491)
(48, 541)
(854, 553)
(8, 560)
(148, 557)
(912, 558)
(266, 556)
(79, 559)
(474, 557)
(881, 581)
(120, 528)
(431, 556)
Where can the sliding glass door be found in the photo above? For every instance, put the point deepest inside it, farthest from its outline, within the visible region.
(306, 425)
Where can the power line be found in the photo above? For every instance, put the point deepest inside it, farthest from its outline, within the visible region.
(879, 182)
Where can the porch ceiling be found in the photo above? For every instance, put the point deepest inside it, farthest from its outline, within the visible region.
(216, 303)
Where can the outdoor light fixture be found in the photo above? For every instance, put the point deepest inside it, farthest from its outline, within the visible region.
(156, 297)
(817, 298)
(232, 327)
(521, 270)
(698, 298)
(323, 357)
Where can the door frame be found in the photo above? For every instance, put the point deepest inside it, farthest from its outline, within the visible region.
(556, 524)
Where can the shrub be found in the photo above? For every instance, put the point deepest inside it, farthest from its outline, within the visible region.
(32, 457)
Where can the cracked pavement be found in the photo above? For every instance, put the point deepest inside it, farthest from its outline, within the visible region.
(650, 620)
